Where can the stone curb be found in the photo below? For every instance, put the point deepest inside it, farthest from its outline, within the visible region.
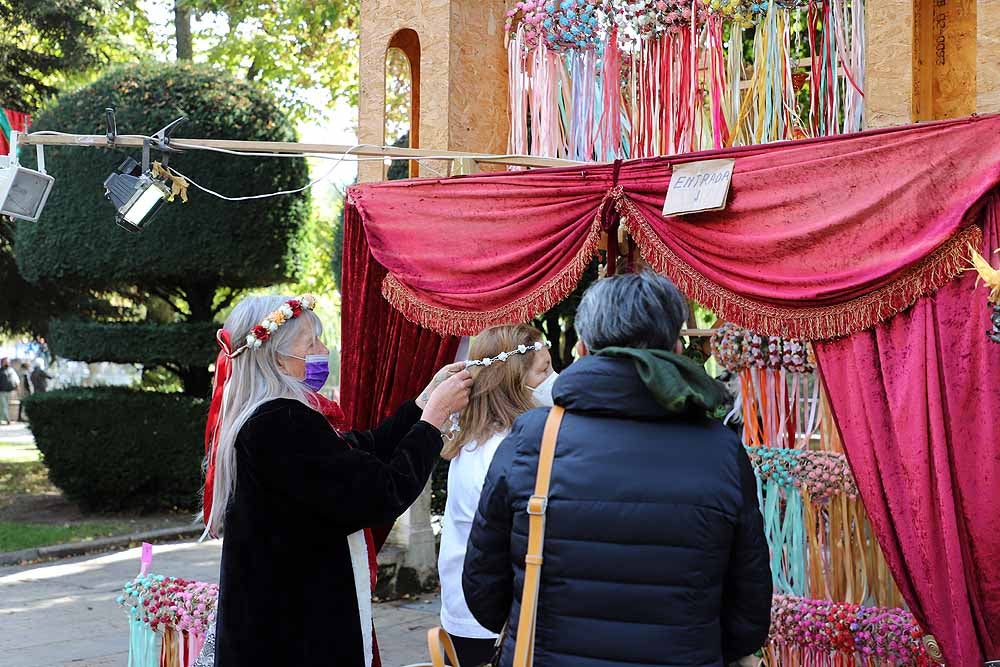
(101, 544)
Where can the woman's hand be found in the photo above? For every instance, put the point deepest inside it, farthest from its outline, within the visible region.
(439, 377)
(451, 395)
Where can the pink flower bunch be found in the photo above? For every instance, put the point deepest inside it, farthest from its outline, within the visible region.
(171, 603)
(872, 633)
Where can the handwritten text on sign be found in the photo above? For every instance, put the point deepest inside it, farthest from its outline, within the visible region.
(699, 186)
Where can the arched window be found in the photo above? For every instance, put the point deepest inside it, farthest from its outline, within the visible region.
(402, 99)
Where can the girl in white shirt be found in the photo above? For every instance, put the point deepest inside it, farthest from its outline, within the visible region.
(519, 380)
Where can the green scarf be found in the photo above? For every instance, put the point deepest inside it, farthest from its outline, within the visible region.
(679, 384)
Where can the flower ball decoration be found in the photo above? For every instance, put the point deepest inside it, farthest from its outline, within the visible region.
(737, 350)
(652, 19)
(169, 603)
(822, 474)
(562, 25)
(888, 636)
(741, 12)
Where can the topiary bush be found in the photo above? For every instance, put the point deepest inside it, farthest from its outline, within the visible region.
(204, 243)
(112, 449)
(180, 343)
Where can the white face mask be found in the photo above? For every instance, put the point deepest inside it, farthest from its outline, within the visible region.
(543, 392)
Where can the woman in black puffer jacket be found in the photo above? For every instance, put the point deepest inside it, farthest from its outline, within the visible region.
(654, 545)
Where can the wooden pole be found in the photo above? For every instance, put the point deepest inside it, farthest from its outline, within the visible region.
(136, 141)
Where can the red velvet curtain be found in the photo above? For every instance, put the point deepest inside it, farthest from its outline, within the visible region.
(385, 359)
(820, 238)
(916, 400)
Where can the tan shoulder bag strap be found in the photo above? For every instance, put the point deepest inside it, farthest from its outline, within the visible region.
(440, 646)
(524, 646)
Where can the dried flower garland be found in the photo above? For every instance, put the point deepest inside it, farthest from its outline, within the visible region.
(821, 474)
(737, 349)
(824, 628)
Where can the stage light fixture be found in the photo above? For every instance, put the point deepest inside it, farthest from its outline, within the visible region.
(23, 191)
(137, 194)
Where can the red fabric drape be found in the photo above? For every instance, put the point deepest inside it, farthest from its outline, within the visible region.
(386, 360)
(18, 121)
(821, 238)
(918, 406)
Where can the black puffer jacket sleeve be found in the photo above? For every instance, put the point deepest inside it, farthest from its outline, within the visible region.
(384, 438)
(746, 595)
(488, 579)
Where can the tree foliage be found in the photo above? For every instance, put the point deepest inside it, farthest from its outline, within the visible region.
(196, 246)
(45, 43)
(294, 46)
(195, 257)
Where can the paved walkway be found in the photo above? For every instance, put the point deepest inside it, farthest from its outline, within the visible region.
(64, 614)
(17, 432)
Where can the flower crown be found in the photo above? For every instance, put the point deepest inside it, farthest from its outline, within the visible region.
(261, 333)
(504, 356)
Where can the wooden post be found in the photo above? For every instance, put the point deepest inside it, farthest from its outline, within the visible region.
(461, 90)
(931, 60)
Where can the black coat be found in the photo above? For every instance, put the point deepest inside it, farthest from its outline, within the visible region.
(287, 590)
(654, 543)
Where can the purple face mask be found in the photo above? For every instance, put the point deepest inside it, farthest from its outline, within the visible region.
(317, 370)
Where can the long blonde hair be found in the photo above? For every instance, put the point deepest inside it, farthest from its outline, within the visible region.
(499, 393)
(255, 379)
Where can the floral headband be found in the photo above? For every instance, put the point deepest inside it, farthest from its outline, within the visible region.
(504, 356)
(261, 333)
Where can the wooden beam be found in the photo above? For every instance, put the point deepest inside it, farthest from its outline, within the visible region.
(135, 141)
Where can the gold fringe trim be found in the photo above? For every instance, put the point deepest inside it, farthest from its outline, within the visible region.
(452, 322)
(822, 323)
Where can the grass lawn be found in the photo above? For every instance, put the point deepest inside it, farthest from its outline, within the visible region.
(33, 512)
(21, 470)
(16, 536)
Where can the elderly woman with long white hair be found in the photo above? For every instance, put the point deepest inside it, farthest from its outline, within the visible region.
(294, 496)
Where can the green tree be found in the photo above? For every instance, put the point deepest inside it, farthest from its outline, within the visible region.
(196, 257)
(45, 44)
(296, 47)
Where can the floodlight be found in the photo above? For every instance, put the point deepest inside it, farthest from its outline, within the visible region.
(136, 191)
(23, 191)
(138, 198)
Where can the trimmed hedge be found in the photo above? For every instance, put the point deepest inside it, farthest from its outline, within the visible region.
(184, 344)
(114, 449)
(207, 241)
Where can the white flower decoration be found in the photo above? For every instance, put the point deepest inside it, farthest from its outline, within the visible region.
(286, 310)
(522, 349)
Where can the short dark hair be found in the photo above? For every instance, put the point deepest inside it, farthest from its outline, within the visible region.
(640, 310)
